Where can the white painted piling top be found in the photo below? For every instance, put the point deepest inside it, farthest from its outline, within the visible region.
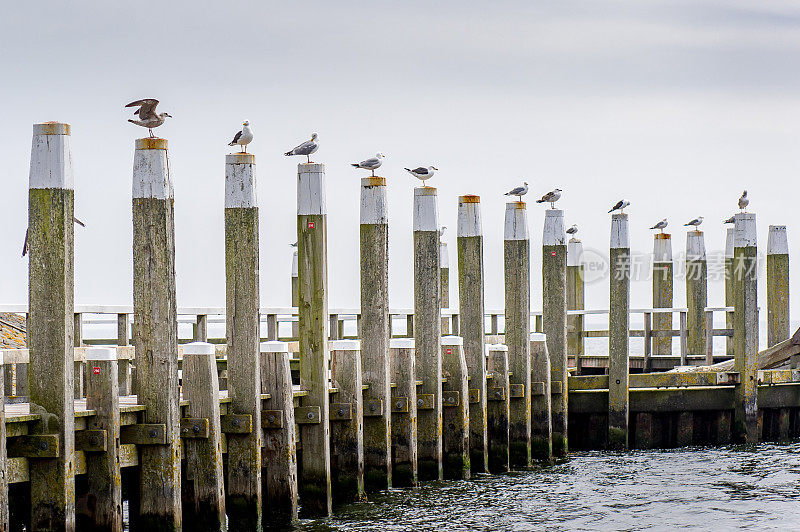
(452, 340)
(345, 345)
(538, 337)
(101, 353)
(729, 238)
(51, 157)
(662, 247)
(695, 245)
(151, 177)
(554, 234)
(240, 180)
(401, 343)
(274, 346)
(374, 208)
(496, 347)
(574, 253)
(619, 231)
(294, 264)
(198, 348)
(745, 230)
(516, 223)
(311, 189)
(1, 357)
(469, 216)
(426, 209)
(777, 243)
(444, 256)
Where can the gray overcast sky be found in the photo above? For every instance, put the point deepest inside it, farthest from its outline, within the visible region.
(675, 105)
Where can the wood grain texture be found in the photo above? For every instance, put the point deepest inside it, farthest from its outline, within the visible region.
(404, 424)
(347, 435)
(497, 411)
(554, 323)
(541, 403)
(618, 363)
(662, 298)
(777, 298)
(745, 336)
(455, 414)
(696, 302)
(575, 323)
(4, 524)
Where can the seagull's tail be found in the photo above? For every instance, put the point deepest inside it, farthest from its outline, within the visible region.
(78, 222)
(541, 200)
(612, 210)
(289, 152)
(354, 165)
(132, 121)
(407, 169)
(231, 143)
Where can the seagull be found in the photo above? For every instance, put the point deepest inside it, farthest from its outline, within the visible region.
(661, 225)
(518, 191)
(620, 206)
(441, 231)
(373, 163)
(293, 245)
(243, 137)
(551, 197)
(695, 223)
(573, 230)
(147, 114)
(306, 148)
(422, 173)
(731, 220)
(25, 243)
(743, 201)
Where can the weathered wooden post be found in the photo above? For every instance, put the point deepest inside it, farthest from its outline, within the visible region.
(280, 439)
(124, 365)
(347, 422)
(243, 483)
(575, 301)
(745, 328)
(455, 409)
(4, 524)
(427, 333)
(696, 292)
(155, 333)
(541, 398)
(554, 320)
(517, 268)
(730, 300)
(444, 275)
(101, 439)
(662, 293)
(312, 254)
(404, 412)
(203, 487)
(375, 334)
(497, 408)
(295, 297)
(50, 326)
(471, 310)
(618, 326)
(777, 285)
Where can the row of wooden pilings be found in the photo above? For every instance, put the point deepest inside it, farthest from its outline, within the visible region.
(371, 414)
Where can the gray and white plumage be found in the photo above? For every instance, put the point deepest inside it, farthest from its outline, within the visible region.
(620, 206)
(518, 191)
(731, 220)
(661, 225)
(441, 231)
(743, 201)
(306, 148)
(551, 197)
(373, 163)
(243, 137)
(25, 243)
(694, 223)
(573, 230)
(422, 173)
(147, 114)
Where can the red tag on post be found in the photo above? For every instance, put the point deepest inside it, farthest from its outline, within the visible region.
(96, 370)
(311, 225)
(448, 351)
(552, 253)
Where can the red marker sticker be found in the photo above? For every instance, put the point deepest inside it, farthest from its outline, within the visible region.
(552, 253)
(448, 351)
(96, 370)
(311, 225)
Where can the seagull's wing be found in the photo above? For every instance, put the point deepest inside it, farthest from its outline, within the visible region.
(515, 191)
(147, 108)
(420, 170)
(236, 137)
(78, 222)
(372, 161)
(617, 206)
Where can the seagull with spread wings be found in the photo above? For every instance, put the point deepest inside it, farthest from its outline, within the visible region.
(147, 114)
(306, 148)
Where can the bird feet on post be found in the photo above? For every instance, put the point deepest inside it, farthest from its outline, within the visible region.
(151, 133)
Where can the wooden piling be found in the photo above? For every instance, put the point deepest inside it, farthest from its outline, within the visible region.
(777, 285)
(471, 314)
(618, 325)
(730, 299)
(542, 394)
(444, 275)
(243, 482)
(427, 333)
(347, 422)
(312, 254)
(554, 320)
(280, 439)
(50, 323)
(696, 292)
(295, 297)
(155, 333)
(517, 271)
(204, 485)
(375, 333)
(404, 412)
(575, 301)
(4, 524)
(497, 408)
(455, 409)
(745, 328)
(662, 294)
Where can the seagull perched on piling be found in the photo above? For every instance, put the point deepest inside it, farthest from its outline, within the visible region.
(243, 137)
(695, 223)
(147, 114)
(661, 225)
(422, 173)
(441, 231)
(620, 206)
(306, 148)
(731, 220)
(743, 201)
(573, 230)
(551, 197)
(518, 191)
(25, 243)
(373, 163)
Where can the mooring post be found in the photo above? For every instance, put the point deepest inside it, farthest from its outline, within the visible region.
(375, 334)
(444, 275)
(745, 327)
(4, 524)
(575, 301)
(618, 325)
(100, 440)
(427, 332)
(554, 320)
(696, 292)
(730, 300)
(404, 412)
(295, 297)
(50, 325)
(542, 398)
(471, 316)
(662, 294)
(243, 482)
(517, 269)
(777, 285)
(497, 408)
(204, 485)
(312, 254)
(455, 409)
(155, 333)
(280, 439)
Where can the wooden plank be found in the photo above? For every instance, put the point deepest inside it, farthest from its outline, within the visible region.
(146, 434)
(347, 434)
(39, 446)
(404, 423)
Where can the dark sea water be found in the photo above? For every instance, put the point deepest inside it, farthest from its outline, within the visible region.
(698, 488)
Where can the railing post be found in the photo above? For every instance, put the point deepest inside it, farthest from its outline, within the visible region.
(272, 327)
(662, 294)
(50, 327)
(575, 301)
(730, 299)
(404, 412)
(647, 361)
(347, 422)
(497, 408)
(455, 414)
(201, 328)
(618, 325)
(709, 350)
(124, 366)
(777, 285)
(684, 337)
(333, 327)
(295, 296)
(696, 291)
(444, 275)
